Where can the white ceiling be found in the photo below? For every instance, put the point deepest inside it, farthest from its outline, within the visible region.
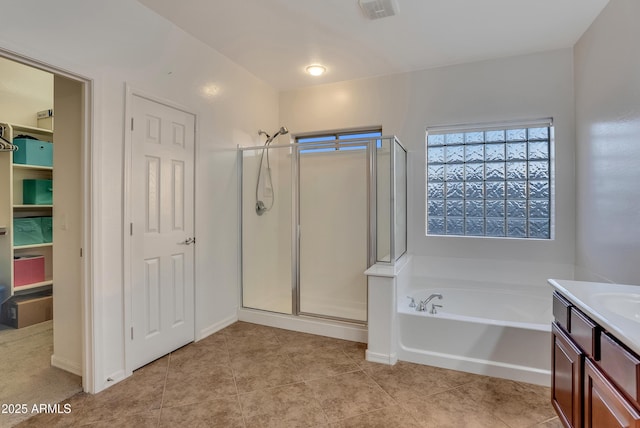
(276, 39)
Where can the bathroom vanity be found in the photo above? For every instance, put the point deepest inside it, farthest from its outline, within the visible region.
(596, 354)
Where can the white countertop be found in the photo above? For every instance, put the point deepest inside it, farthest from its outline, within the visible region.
(615, 307)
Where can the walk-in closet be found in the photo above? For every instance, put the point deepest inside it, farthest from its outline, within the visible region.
(40, 235)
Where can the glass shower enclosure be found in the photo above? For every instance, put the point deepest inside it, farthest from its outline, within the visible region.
(329, 211)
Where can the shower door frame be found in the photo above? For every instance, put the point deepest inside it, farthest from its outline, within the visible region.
(372, 187)
(295, 206)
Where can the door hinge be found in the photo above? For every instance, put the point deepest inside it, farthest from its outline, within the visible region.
(130, 229)
(132, 124)
(80, 252)
(131, 333)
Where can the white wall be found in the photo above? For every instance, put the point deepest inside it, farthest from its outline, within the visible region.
(67, 225)
(118, 42)
(607, 85)
(523, 87)
(24, 91)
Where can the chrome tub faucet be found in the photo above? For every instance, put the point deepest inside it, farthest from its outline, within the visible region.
(422, 306)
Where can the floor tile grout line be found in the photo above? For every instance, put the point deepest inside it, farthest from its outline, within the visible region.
(318, 402)
(235, 383)
(164, 387)
(288, 356)
(272, 387)
(402, 406)
(380, 386)
(239, 394)
(395, 402)
(379, 410)
(302, 380)
(548, 420)
(313, 379)
(491, 411)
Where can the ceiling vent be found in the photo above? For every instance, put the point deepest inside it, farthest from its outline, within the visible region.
(376, 9)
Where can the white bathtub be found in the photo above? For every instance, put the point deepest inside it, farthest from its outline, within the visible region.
(496, 331)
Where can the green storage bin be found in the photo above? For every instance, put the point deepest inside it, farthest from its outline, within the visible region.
(37, 192)
(33, 152)
(27, 231)
(47, 229)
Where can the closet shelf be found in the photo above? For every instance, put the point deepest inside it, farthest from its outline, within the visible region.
(34, 285)
(31, 206)
(12, 208)
(32, 167)
(26, 247)
(33, 129)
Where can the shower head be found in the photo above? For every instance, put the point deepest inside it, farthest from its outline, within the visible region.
(261, 207)
(282, 131)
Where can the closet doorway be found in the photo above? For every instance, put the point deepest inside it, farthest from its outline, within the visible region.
(41, 271)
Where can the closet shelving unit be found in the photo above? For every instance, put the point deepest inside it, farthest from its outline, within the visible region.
(11, 206)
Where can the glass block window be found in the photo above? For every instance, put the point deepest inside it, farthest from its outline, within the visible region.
(490, 180)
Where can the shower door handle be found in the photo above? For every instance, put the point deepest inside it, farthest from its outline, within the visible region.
(188, 241)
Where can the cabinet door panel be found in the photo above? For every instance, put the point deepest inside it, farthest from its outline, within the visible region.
(566, 391)
(603, 405)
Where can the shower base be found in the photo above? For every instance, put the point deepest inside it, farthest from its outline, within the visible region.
(306, 324)
(315, 307)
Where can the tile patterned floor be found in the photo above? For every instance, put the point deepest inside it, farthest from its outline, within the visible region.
(249, 375)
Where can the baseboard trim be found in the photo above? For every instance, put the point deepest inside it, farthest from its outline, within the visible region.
(111, 380)
(66, 365)
(374, 357)
(518, 373)
(214, 328)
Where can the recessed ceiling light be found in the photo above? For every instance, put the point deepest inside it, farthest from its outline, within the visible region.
(316, 69)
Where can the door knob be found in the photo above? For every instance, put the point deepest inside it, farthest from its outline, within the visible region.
(188, 241)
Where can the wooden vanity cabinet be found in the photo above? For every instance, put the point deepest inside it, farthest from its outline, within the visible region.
(588, 389)
(566, 387)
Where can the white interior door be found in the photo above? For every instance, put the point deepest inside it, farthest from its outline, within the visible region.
(162, 240)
